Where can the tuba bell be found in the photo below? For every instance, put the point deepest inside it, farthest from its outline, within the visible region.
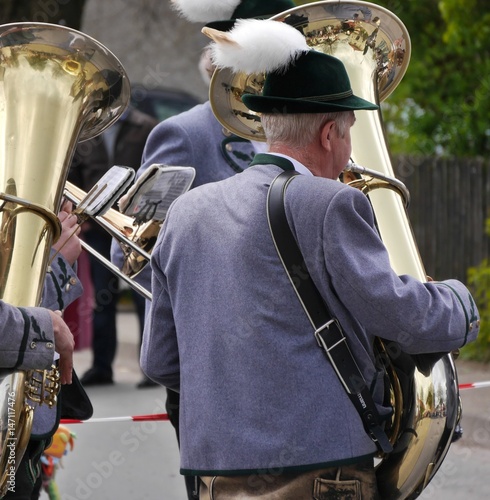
(374, 46)
(57, 86)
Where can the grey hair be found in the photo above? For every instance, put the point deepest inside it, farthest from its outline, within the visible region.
(205, 65)
(300, 129)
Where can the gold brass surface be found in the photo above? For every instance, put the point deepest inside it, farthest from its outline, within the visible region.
(369, 39)
(43, 386)
(136, 239)
(374, 46)
(57, 86)
(369, 180)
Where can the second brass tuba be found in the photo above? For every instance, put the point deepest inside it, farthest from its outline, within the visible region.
(374, 46)
(57, 86)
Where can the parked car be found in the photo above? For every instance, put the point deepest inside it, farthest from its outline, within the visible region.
(161, 103)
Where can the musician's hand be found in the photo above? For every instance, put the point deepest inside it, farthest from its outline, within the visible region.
(68, 245)
(64, 346)
(429, 278)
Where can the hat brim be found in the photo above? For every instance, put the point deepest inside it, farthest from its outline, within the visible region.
(265, 104)
(226, 25)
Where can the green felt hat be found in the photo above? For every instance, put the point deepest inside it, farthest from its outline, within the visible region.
(248, 9)
(313, 83)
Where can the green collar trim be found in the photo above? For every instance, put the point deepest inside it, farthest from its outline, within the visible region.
(267, 159)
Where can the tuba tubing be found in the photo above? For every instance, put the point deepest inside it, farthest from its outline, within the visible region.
(372, 179)
(57, 86)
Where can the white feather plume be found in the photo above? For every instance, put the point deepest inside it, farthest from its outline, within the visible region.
(258, 46)
(206, 11)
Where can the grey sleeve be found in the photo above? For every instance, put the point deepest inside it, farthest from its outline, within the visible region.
(421, 317)
(26, 338)
(61, 286)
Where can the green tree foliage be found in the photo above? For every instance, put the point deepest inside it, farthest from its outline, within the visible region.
(479, 282)
(442, 103)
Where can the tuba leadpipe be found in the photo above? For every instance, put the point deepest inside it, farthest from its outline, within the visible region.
(372, 179)
(374, 46)
(57, 86)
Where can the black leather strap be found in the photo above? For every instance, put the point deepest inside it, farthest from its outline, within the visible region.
(328, 331)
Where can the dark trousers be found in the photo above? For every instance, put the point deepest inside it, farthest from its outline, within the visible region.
(104, 341)
(172, 408)
(28, 480)
(140, 306)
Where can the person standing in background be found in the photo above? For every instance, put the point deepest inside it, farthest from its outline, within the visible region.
(121, 144)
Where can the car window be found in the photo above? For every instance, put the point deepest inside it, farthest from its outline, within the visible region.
(161, 103)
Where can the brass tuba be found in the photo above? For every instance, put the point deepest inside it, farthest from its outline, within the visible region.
(374, 46)
(57, 86)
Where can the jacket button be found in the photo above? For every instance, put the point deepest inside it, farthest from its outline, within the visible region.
(33, 345)
(49, 345)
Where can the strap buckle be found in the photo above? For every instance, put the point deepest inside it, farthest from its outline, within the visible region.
(319, 331)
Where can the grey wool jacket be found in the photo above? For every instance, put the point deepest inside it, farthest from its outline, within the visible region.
(226, 329)
(26, 337)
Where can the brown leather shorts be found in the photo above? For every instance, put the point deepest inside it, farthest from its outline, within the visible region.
(349, 482)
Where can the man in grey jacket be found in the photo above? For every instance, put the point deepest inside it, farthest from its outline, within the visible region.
(263, 414)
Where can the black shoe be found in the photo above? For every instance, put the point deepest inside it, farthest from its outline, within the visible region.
(94, 376)
(145, 383)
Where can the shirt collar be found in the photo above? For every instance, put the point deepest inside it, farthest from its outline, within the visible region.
(281, 160)
(299, 167)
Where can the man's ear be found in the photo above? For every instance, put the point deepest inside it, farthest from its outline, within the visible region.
(326, 135)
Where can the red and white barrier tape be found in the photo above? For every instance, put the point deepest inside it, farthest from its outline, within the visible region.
(164, 416)
(135, 418)
(475, 385)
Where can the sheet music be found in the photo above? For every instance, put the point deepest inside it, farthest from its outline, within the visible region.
(153, 193)
(107, 190)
